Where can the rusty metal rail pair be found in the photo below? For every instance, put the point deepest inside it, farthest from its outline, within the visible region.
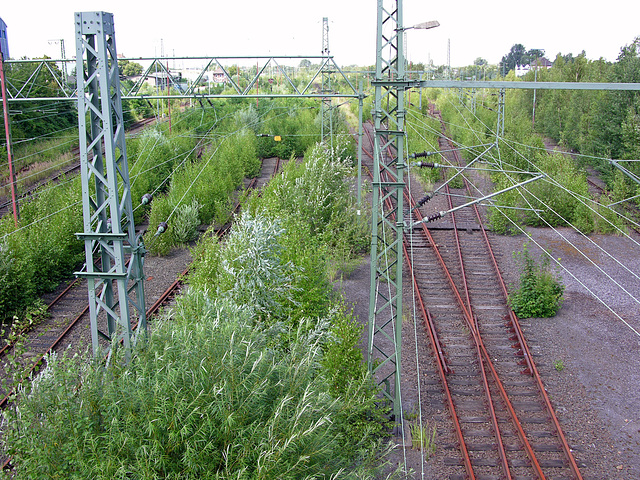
(515, 324)
(483, 357)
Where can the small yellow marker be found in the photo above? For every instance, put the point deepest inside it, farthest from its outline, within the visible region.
(277, 138)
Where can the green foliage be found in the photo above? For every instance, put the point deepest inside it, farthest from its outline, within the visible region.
(454, 179)
(314, 200)
(424, 133)
(257, 375)
(212, 398)
(557, 205)
(205, 267)
(342, 352)
(344, 367)
(129, 68)
(32, 120)
(44, 248)
(593, 123)
(297, 128)
(252, 272)
(518, 56)
(207, 181)
(540, 292)
(185, 222)
(607, 219)
(423, 438)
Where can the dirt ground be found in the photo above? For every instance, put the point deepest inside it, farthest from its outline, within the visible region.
(588, 354)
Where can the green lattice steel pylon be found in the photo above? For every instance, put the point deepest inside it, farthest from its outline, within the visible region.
(385, 301)
(115, 283)
(326, 133)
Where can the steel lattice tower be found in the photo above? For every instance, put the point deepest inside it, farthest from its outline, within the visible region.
(115, 282)
(327, 114)
(385, 301)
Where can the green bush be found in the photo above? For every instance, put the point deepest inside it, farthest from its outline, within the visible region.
(208, 182)
(540, 292)
(212, 398)
(43, 249)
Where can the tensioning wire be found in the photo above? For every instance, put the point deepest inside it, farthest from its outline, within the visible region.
(592, 293)
(186, 154)
(222, 137)
(555, 230)
(415, 320)
(582, 200)
(30, 139)
(587, 202)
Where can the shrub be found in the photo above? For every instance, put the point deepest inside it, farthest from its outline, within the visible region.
(43, 250)
(540, 292)
(252, 271)
(185, 223)
(213, 398)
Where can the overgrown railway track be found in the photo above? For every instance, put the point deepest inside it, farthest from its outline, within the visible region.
(69, 312)
(502, 419)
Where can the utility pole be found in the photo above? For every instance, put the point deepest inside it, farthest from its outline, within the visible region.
(63, 57)
(7, 131)
(385, 300)
(360, 134)
(500, 126)
(448, 59)
(115, 285)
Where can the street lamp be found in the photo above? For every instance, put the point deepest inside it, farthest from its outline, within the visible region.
(418, 26)
(424, 25)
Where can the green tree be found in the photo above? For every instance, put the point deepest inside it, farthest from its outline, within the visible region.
(129, 69)
(514, 58)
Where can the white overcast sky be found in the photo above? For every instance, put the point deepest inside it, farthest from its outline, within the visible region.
(294, 27)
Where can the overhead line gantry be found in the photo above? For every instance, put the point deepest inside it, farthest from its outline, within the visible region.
(326, 68)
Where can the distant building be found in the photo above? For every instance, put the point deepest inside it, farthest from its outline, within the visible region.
(539, 64)
(219, 76)
(161, 80)
(4, 43)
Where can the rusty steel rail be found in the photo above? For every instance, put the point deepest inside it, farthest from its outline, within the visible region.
(484, 359)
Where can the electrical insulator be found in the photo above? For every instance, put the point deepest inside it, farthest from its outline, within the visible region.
(423, 154)
(423, 200)
(434, 216)
(426, 164)
(108, 225)
(146, 199)
(162, 227)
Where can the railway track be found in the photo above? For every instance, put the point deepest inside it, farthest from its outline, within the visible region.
(501, 417)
